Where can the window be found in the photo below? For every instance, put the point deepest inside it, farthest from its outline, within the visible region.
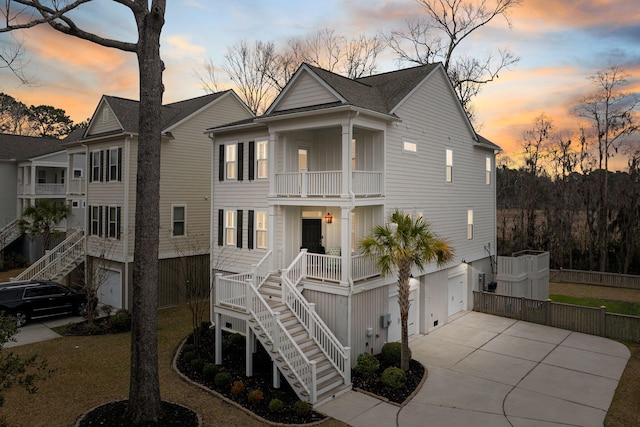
(231, 163)
(95, 220)
(230, 227)
(77, 173)
(262, 161)
(449, 165)
(261, 230)
(75, 203)
(62, 176)
(487, 168)
(470, 224)
(409, 146)
(178, 221)
(113, 222)
(42, 176)
(353, 154)
(114, 158)
(105, 115)
(96, 165)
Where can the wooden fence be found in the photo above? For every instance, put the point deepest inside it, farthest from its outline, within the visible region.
(588, 320)
(595, 278)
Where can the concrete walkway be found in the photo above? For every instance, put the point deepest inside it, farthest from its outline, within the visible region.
(40, 330)
(486, 370)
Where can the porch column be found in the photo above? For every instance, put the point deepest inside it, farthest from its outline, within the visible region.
(218, 339)
(271, 159)
(271, 238)
(32, 183)
(345, 244)
(347, 133)
(248, 354)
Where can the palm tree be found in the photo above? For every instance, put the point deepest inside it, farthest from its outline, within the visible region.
(398, 246)
(41, 218)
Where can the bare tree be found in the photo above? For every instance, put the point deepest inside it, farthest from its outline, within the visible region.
(208, 76)
(144, 390)
(613, 115)
(438, 35)
(12, 58)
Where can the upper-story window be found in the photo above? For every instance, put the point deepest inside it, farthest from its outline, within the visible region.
(95, 166)
(42, 176)
(470, 224)
(114, 167)
(261, 230)
(230, 227)
(95, 220)
(449, 165)
(409, 146)
(262, 162)
(105, 115)
(231, 161)
(487, 170)
(113, 221)
(179, 220)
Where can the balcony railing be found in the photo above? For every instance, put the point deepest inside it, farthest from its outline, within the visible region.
(327, 183)
(329, 268)
(43, 189)
(77, 186)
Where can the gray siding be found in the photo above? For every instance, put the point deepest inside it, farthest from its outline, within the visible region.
(305, 91)
(8, 192)
(99, 126)
(366, 309)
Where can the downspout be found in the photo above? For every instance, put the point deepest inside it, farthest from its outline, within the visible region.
(352, 199)
(211, 235)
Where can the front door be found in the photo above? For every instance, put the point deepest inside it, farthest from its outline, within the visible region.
(312, 235)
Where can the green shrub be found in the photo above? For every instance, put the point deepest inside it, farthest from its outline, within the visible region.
(197, 365)
(276, 405)
(210, 371)
(188, 347)
(188, 356)
(392, 353)
(237, 388)
(301, 408)
(255, 396)
(222, 379)
(393, 377)
(121, 321)
(367, 365)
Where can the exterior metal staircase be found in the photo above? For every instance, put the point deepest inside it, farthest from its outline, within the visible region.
(57, 262)
(9, 233)
(300, 349)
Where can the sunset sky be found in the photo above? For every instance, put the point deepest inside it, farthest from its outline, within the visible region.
(560, 43)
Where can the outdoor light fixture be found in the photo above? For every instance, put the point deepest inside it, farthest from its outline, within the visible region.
(328, 218)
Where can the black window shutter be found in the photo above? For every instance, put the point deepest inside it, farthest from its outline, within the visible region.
(119, 164)
(221, 170)
(220, 227)
(240, 161)
(252, 160)
(250, 225)
(102, 156)
(239, 228)
(90, 222)
(118, 221)
(91, 167)
(100, 208)
(107, 163)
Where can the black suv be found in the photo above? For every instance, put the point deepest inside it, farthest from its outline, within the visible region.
(36, 299)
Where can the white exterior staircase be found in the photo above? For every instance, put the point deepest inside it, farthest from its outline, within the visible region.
(309, 356)
(9, 233)
(57, 262)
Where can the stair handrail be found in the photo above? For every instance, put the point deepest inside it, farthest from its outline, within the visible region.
(64, 260)
(7, 231)
(36, 269)
(281, 338)
(337, 354)
(262, 269)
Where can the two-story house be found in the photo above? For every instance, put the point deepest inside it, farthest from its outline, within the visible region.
(296, 189)
(109, 146)
(31, 169)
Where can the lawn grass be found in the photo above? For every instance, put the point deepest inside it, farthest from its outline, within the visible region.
(612, 306)
(94, 370)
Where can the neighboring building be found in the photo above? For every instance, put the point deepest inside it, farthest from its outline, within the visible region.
(31, 169)
(331, 158)
(109, 146)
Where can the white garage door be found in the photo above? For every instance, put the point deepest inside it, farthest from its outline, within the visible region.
(456, 293)
(395, 328)
(110, 292)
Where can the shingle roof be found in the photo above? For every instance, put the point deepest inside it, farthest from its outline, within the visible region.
(18, 148)
(126, 110)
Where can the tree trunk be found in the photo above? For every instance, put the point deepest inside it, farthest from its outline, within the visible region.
(403, 301)
(144, 388)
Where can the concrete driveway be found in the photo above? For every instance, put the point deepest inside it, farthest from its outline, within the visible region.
(486, 370)
(40, 330)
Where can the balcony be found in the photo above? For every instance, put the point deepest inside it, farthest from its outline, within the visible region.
(44, 189)
(77, 186)
(327, 184)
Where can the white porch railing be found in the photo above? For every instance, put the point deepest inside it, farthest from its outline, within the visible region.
(55, 189)
(231, 290)
(56, 260)
(77, 186)
(337, 354)
(326, 183)
(363, 267)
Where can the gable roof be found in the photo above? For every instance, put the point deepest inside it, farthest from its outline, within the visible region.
(126, 110)
(380, 93)
(19, 148)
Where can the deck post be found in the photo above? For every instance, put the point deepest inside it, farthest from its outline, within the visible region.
(218, 339)
(248, 354)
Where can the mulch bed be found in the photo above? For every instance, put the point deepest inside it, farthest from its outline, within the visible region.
(114, 414)
(373, 385)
